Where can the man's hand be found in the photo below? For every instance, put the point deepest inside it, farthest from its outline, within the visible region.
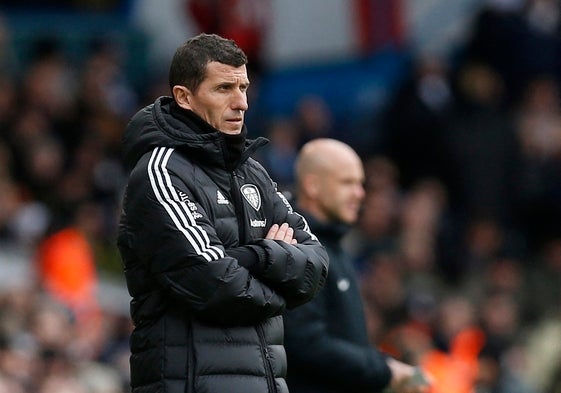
(406, 378)
(283, 233)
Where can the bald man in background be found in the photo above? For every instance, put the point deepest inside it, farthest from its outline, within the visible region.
(326, 340)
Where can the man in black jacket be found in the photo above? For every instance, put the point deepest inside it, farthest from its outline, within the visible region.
(326, 339)
(212, 253)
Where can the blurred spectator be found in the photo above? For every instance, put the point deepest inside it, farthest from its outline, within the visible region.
(7, 104)
(417, 120)
(518, 39)
(484, 240)
(420, 219)
(375, 231)
(279, 156)
(40, 156)
(542, 367)
(103, 85)
(500, 40)
(500, 320)
(496, 376)
(49, 81)
(453, 363)
(313, 118)
(66, 267)
(484, 153)
(543, 282)
(384, 290)
(538, 130)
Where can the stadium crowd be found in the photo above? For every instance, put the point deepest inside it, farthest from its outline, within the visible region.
(458, 244)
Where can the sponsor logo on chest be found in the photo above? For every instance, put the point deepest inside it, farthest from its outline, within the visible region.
(258, 223)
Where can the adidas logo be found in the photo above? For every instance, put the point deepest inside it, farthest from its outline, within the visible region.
(221, 199)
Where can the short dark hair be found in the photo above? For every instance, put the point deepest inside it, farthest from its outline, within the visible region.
(188, 66)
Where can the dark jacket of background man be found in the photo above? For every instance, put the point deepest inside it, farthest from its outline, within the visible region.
(327, 343)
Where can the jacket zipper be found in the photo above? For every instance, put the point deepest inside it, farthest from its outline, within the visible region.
(238, 206)
(266, 360)
(190, 388)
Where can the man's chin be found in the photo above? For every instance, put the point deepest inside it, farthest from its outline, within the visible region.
(230, 132)
(232, 127)
(350, 219)
(344, 219)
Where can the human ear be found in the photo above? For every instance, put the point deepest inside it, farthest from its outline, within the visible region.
(182, 96)
(312, 185)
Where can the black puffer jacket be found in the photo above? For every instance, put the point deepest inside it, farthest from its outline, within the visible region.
(207, 290)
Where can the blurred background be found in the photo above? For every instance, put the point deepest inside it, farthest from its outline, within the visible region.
(453, 105)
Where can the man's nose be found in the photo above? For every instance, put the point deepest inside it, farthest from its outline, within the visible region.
(240, 101)
(360, 191)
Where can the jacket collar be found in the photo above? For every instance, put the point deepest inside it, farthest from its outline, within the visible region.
(163, 123)
(331, 232)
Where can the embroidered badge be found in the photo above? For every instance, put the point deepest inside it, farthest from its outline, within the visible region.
(251, 195)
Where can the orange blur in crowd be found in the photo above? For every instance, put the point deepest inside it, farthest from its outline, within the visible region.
(455, 371)
(66, 269)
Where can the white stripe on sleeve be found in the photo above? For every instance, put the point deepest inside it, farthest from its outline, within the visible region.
(178, 210)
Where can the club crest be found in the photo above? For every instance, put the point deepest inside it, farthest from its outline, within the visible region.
(251, 195)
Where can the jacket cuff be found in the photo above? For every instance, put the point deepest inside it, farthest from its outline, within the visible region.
(250, 257)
